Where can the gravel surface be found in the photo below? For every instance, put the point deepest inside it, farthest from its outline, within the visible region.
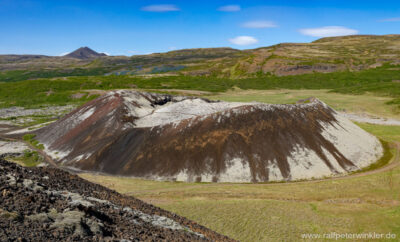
(20, 111)
(23, 116)
(364, 118)
(8, 147)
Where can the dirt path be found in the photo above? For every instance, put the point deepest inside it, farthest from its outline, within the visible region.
(364, 118)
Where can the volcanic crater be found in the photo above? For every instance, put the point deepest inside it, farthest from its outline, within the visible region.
(166, 137)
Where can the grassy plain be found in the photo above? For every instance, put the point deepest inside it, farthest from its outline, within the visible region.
(366, 103)
(381, 81)
(388, 133)
(284, 211)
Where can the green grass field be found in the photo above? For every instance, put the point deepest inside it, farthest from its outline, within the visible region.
(381, 81)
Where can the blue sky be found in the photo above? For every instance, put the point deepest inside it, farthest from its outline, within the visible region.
(130, 27)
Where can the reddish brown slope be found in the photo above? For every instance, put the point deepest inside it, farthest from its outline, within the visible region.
(165, 137)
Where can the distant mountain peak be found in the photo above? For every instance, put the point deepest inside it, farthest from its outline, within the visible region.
(84, 53)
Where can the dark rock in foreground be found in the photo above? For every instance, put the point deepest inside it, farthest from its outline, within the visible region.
(47, 204)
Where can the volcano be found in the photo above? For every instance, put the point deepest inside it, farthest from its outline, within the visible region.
(165, 137)
(84, 53)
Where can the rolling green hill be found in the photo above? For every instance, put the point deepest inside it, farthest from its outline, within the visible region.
(380, 81)
(349, 53)
(351, 65)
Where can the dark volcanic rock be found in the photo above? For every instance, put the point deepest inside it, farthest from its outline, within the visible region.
(47, 204)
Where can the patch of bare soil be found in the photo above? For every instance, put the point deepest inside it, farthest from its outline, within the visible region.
(183, 92)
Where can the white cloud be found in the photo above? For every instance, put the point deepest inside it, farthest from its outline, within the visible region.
(172, 48)
(259, 24)
(243, 40)
(65, 53)
(390, 20)
(229, 8)
(160, 8)
(328, 31)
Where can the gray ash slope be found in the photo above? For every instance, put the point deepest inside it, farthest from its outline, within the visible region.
(48, 204)
(165, 137)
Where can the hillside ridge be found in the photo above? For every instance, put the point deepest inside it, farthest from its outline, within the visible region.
(332, 54)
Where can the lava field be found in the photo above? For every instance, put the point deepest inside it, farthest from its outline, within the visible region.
(48, 204)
